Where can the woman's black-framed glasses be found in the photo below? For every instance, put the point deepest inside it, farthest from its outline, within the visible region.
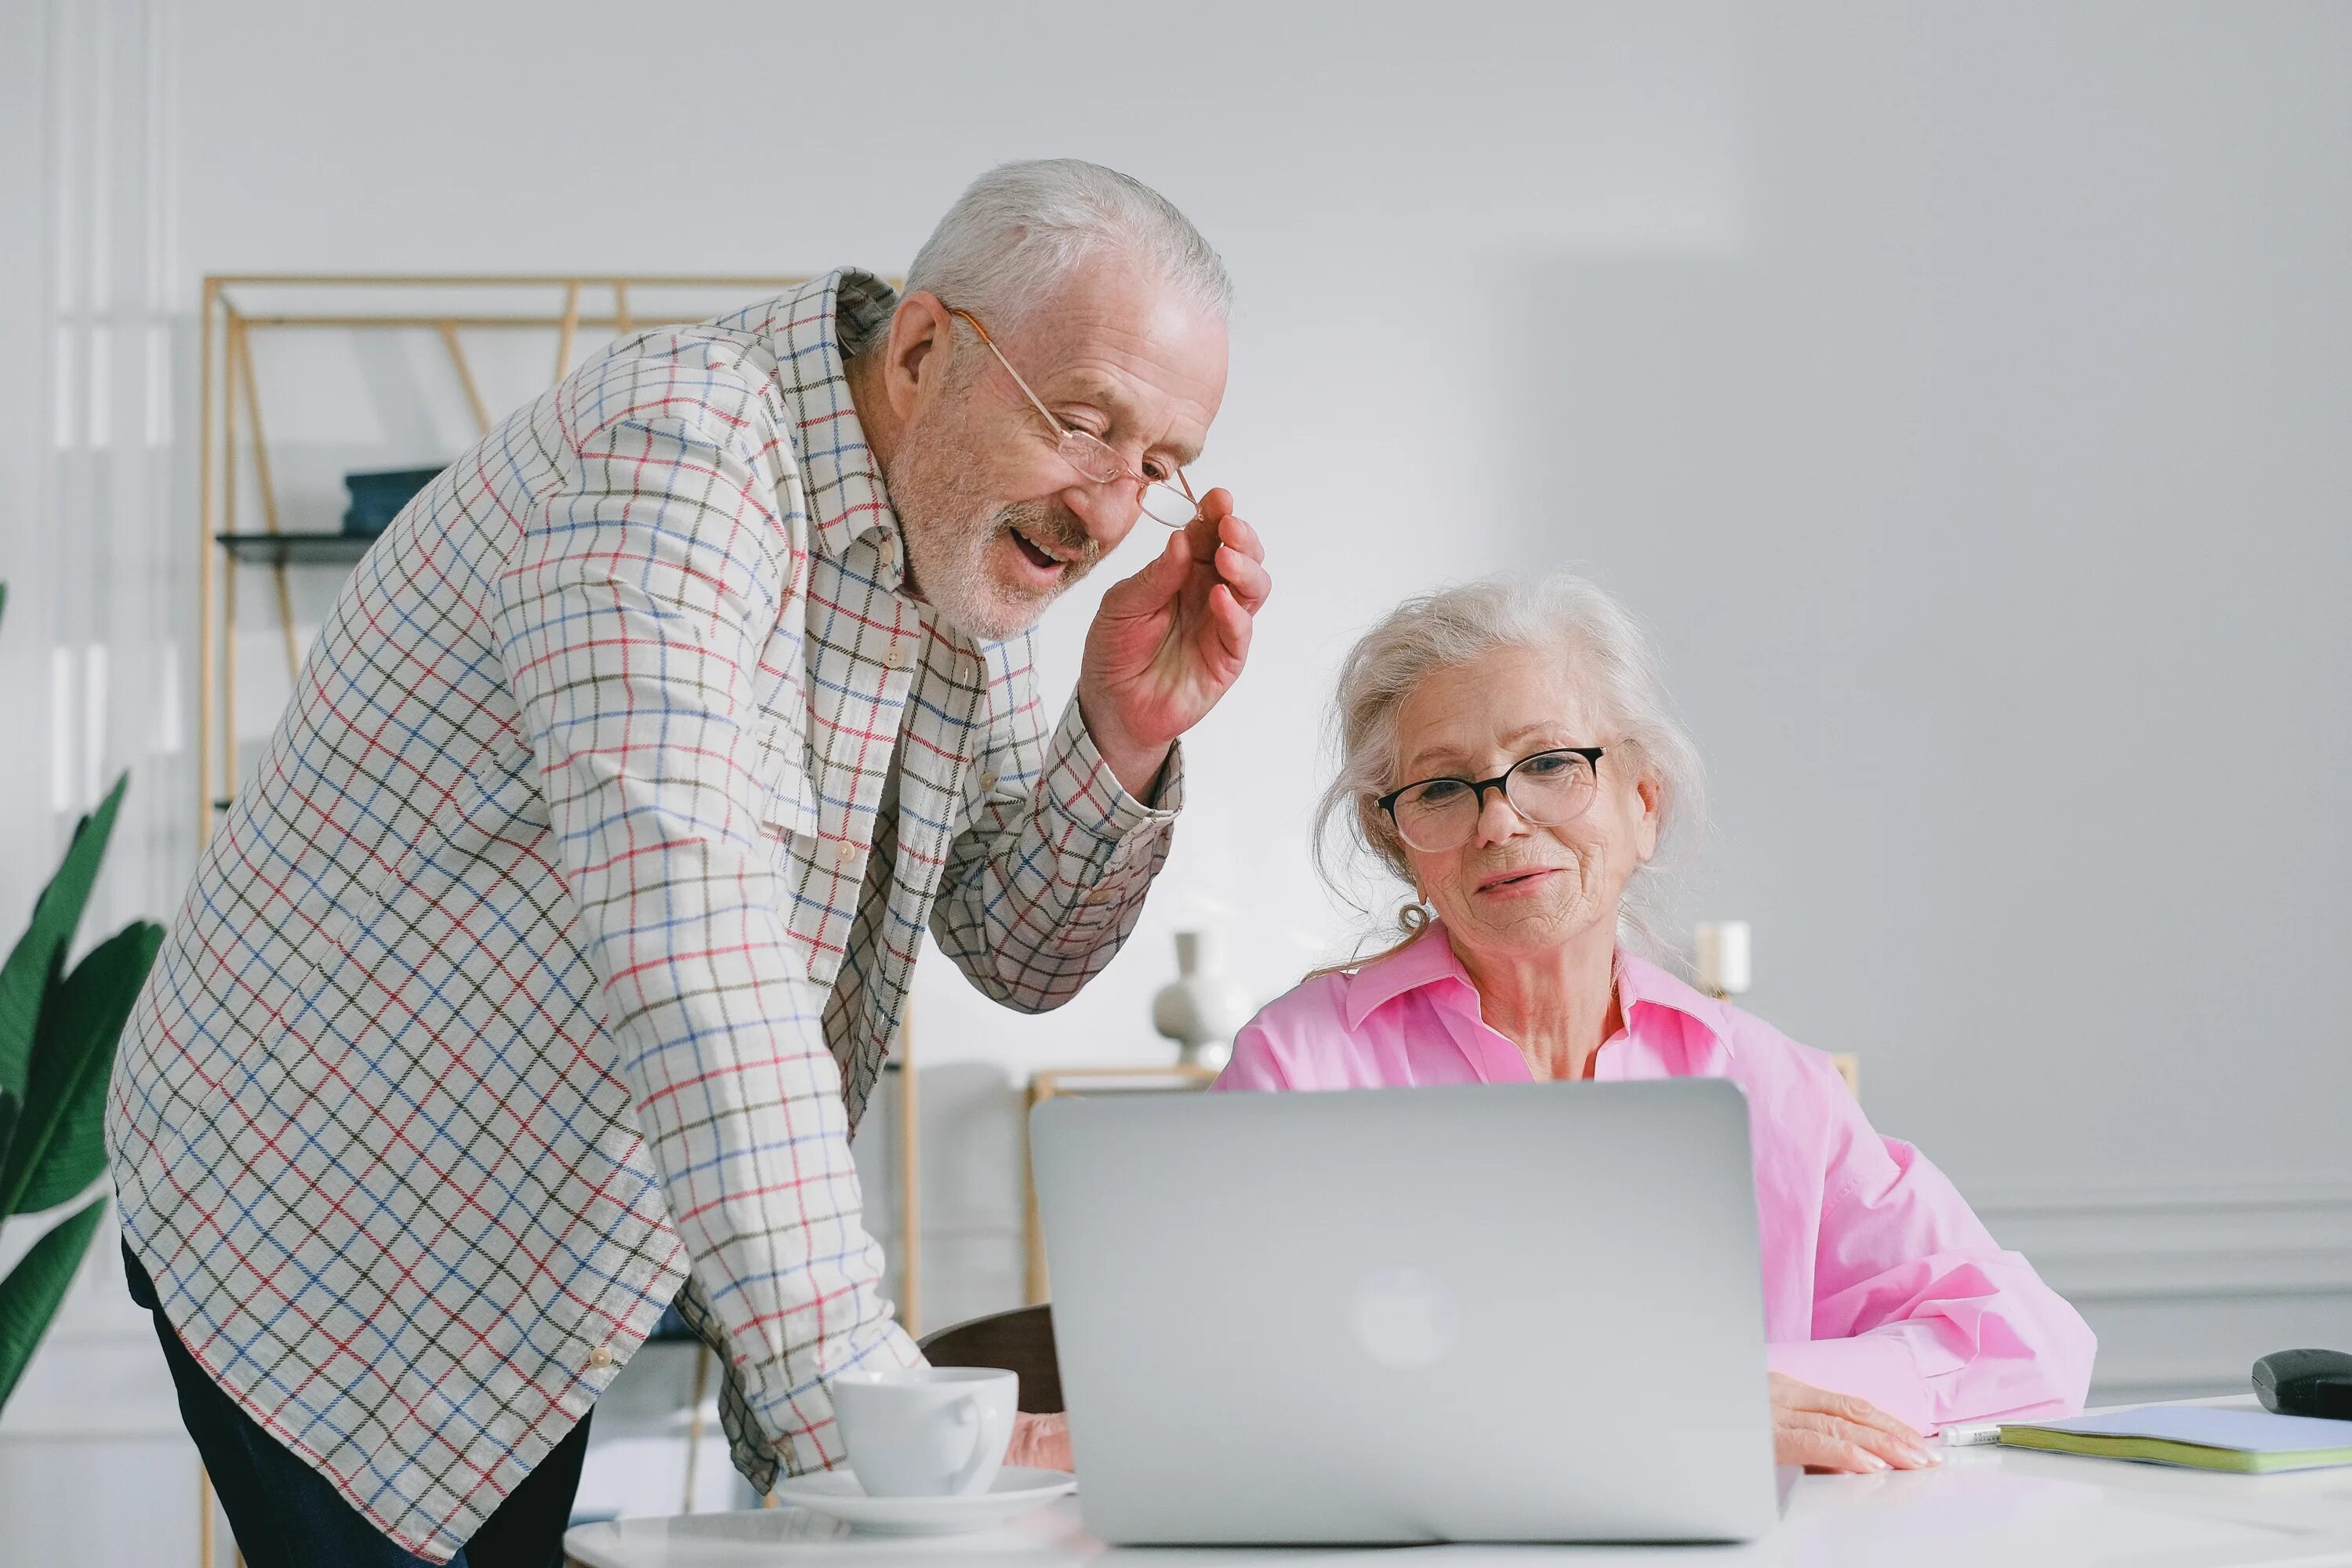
(1546, 789)
(1166, 499)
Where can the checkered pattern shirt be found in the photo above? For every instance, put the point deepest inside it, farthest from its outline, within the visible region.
(553, 947)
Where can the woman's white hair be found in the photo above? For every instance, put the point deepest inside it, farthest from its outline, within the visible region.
(1018, 231)
(1604, 653)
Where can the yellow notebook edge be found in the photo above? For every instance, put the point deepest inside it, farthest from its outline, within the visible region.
(2168, 1451)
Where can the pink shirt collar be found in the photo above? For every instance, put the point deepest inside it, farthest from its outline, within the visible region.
(1430, 963)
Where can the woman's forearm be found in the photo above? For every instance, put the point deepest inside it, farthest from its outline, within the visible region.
(1950, 1338)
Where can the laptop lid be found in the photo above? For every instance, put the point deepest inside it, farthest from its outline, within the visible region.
(1525, 1312)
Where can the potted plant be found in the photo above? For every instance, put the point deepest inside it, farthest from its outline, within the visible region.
(58, 1027)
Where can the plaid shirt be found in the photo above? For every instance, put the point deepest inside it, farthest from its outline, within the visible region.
(558, 938)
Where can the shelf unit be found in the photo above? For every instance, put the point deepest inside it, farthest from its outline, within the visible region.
(237, 486)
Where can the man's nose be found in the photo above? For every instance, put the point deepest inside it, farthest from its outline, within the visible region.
(1107, 510)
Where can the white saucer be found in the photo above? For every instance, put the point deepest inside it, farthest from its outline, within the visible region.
(1014, 1492)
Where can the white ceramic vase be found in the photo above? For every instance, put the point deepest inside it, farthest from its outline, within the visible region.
(1203, 1008)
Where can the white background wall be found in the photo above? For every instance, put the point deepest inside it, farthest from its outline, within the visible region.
(1959, 390)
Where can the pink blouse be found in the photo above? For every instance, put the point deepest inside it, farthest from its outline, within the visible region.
(1879, 1281)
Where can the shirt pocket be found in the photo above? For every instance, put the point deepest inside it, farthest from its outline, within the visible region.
(786, 800)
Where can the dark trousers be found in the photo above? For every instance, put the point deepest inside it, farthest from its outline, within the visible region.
(288, 1515)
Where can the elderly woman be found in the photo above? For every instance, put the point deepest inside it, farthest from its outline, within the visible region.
(1506, 750)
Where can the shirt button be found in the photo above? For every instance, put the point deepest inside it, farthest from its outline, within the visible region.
(987, 780)
(600, 1356)
(843, 851)
(895, 656)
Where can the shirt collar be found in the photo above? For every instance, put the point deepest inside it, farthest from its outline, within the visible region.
(846, 498)
(1640, 984)
(1429, 960)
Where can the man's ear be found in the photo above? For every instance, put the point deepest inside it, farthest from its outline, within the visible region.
(921, 347)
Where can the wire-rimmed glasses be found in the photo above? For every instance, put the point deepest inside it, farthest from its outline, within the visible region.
(1546, 788)
(1168, 501)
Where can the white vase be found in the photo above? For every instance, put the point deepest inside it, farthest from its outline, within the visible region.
(1203, 1008)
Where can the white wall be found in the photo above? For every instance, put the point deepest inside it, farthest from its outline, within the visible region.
(1995, 504)
(1960, 390)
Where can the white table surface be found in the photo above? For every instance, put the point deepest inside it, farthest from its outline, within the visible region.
(1984, 1508)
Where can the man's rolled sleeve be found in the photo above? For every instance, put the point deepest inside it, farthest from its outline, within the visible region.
(1046, 884)
(1081, 788)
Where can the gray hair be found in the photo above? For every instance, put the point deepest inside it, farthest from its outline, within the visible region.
(1604, 650)
(1019, 230)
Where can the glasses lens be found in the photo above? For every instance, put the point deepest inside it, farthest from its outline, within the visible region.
(1168, 506)
(1090, 456)
(1550, 787)
(1438, 816)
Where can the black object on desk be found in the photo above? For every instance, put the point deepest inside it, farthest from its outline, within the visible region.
(2305, 1382)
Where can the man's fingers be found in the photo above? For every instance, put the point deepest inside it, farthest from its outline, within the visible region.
(1201, 537)
(1159, 580)
(1041, 1442)
(1233, 623)
(1234, 531)
(1247, 578)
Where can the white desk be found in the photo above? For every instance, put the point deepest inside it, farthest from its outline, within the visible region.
(1985, 1507)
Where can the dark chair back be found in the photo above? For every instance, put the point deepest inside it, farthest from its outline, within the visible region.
(1020, 1340)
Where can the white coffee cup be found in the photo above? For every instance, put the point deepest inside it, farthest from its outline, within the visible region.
(931, 1431)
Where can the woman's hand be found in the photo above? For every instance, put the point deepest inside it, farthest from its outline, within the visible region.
(1825, 1431)
(1040, 1442)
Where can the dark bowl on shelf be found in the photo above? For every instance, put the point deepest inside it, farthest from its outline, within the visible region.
(377, 497)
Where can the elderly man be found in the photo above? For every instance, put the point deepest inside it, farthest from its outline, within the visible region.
(547, 960)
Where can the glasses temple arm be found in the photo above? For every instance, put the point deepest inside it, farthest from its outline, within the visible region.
(1034, 402)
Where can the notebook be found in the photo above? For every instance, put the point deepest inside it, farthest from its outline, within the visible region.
(2209, 1438)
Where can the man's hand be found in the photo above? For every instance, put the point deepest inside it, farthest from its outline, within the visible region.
(1040, 1442)
(1825, 1431)
(1169, 641)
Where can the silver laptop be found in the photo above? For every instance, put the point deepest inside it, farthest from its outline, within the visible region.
(1507, 1313)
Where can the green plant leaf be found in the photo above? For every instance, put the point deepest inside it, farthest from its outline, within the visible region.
(9, 1106)
(34, 962)
(60, 1144)
(30, 1295)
